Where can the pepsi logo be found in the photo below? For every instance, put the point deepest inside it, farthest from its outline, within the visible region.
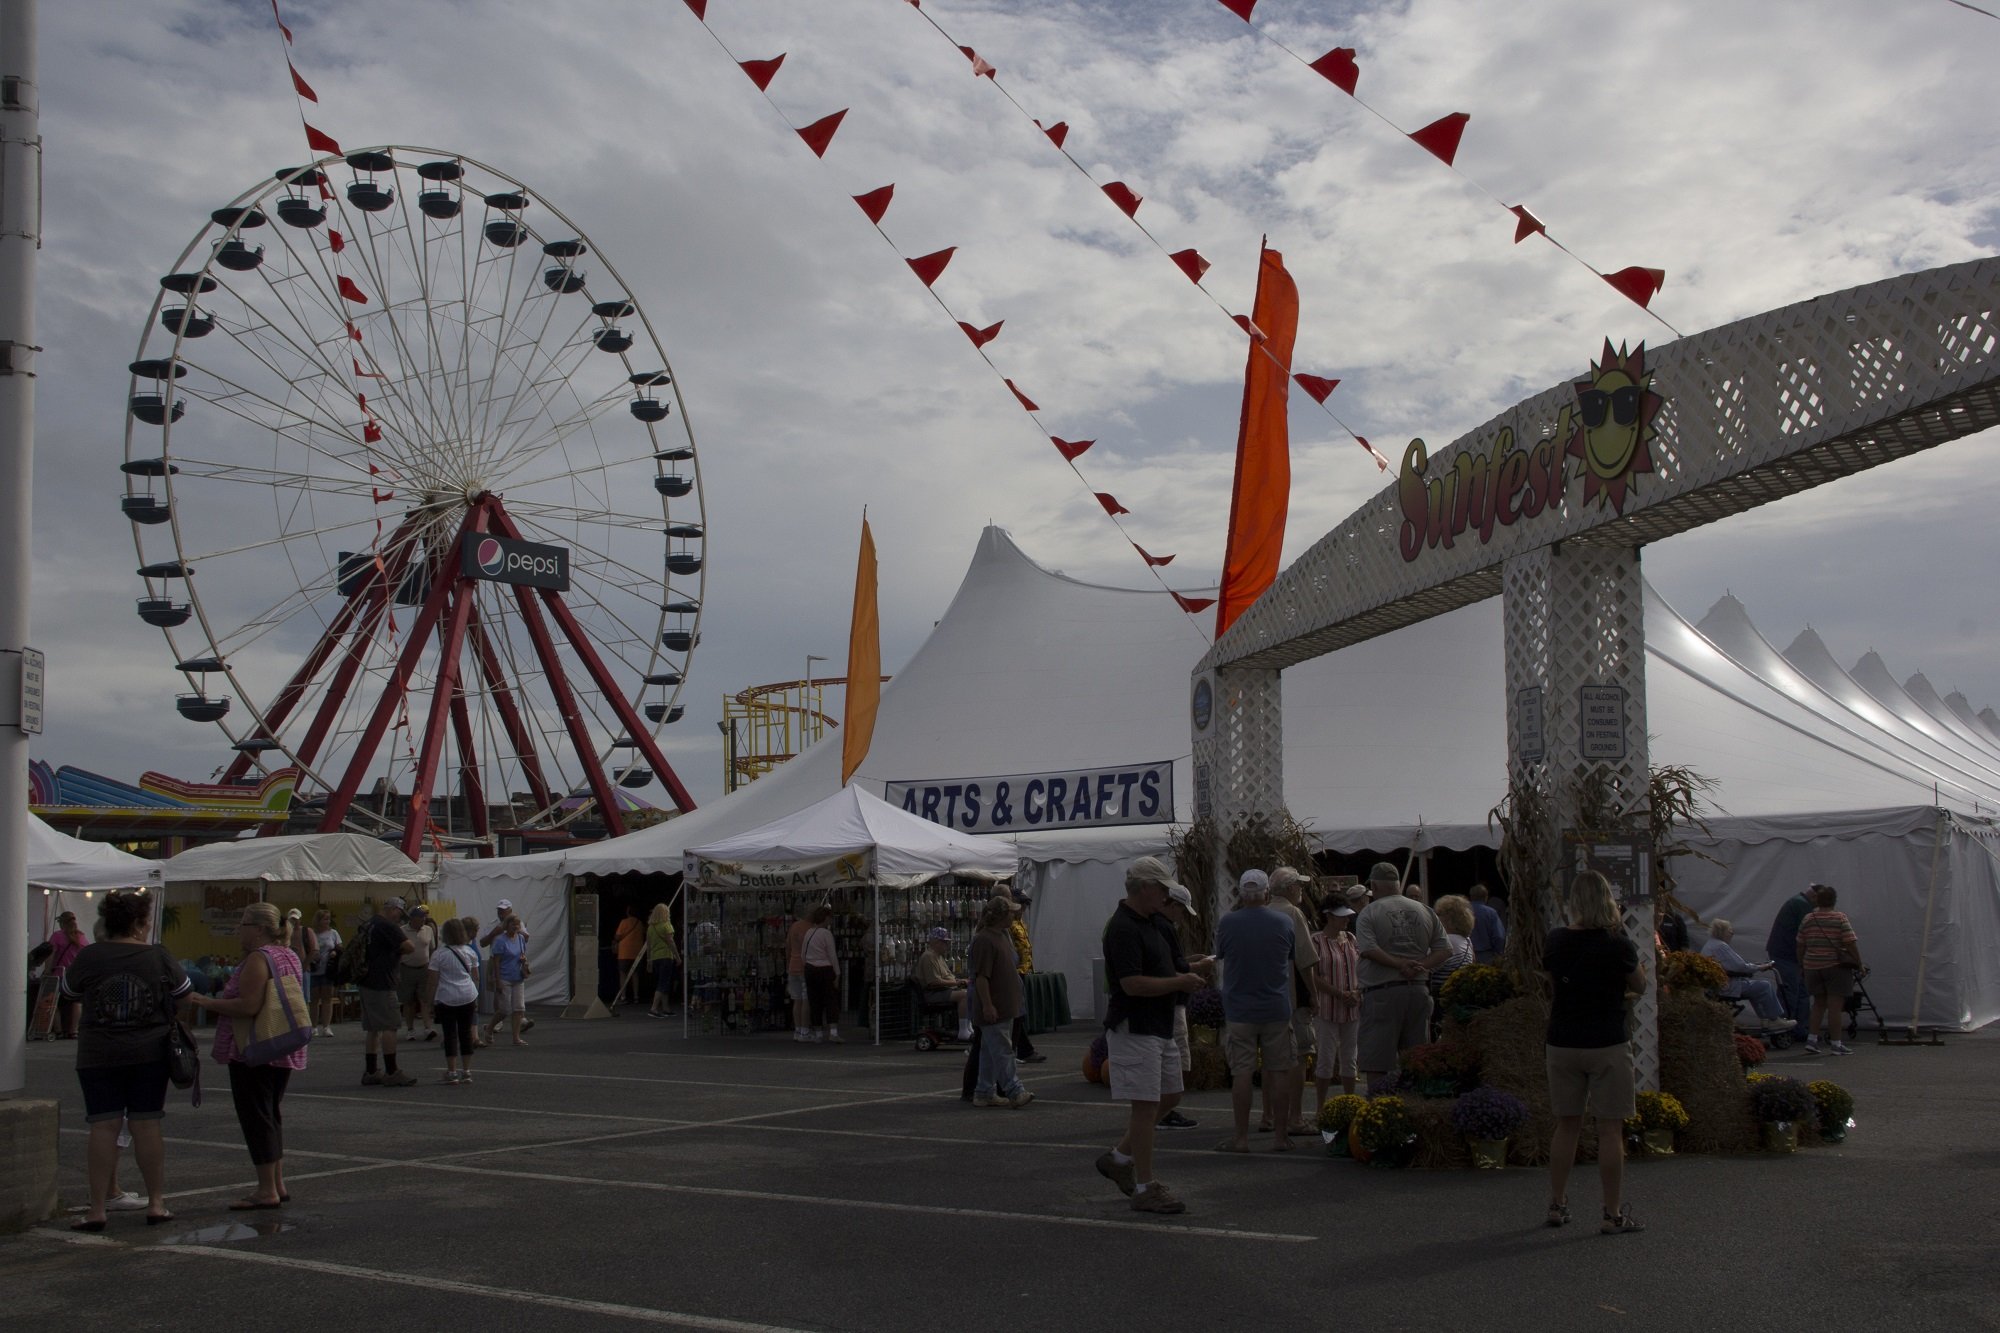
(490, 556)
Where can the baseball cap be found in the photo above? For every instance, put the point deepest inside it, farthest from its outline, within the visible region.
(420, 910)
(396, 903)
(1253, 884)
(1384, 873)
(1180, 895)
(504, 906)
(1150, 870)
(295, 915)
(1342, 910)
(940, 934)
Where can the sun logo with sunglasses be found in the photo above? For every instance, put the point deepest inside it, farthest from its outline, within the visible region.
(1614, 415)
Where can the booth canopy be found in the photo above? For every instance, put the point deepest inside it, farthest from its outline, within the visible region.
(322, 858)
(847, 840)
(58, 861)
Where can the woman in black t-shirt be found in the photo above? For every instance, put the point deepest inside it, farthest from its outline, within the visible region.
(126, 989)
(1594, 968)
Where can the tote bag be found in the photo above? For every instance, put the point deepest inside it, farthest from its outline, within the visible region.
(282, 1024)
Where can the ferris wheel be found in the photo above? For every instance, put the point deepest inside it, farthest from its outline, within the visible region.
(416, 502)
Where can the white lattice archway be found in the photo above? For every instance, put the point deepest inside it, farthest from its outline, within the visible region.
(1739, 416)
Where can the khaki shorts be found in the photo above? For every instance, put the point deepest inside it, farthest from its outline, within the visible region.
(410, 983)
(1393, 1019)
(1143, 1069)
(1181, 1040)
(1829, 983)
(379, 1011)
(1242, 1041)
(1304, 1040)
(1591, 1080)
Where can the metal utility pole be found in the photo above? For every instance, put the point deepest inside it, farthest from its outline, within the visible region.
(20, 237)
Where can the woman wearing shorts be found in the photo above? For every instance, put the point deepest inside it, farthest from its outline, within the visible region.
(1336, 999)
(509, 952)
(125, 989)
(1594, 968)
(1830, 955)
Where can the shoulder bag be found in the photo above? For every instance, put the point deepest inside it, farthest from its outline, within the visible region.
(183, 1059)
(283, 1024)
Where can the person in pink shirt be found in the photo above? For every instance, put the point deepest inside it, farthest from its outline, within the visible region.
(64, 946)
(1336, 998)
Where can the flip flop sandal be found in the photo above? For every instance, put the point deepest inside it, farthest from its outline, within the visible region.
(1230, 1145)
(92, 1227)
(1285, 1146)
(253, 1205)
(1558, 1214)
(159, 1219)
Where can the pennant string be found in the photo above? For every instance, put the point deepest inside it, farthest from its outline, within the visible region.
(1440, 138)
(929, 268)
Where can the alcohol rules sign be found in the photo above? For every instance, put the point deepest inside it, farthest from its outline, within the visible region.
(503, 560)
(1066, 798)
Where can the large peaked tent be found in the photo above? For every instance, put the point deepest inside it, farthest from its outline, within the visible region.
(882, 843)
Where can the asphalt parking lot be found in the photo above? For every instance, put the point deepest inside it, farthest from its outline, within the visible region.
(612, 1174)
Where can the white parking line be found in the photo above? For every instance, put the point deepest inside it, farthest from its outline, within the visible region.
(430, 1282)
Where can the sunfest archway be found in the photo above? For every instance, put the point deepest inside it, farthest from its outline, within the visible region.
(1548, 504)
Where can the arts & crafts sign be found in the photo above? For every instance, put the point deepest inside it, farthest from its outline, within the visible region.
(1607, 432)
(1020, 802)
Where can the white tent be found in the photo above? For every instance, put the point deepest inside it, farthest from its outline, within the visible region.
(58, 861)
(848, 839)
(306, 858)
(1395, 742)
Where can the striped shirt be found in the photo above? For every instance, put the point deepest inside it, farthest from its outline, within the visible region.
(1822, 936)
(1338, 960)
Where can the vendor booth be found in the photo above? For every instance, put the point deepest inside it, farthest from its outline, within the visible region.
(71, 872)
(889, 877)
(345, 873)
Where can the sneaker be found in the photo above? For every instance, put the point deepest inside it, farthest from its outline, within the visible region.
(126, 1202)
(1118, 1173)
(1621, 1223)
(1175, 1120)
(465, 1077)
(986, 1099)
(1020, 1099)
(1035, 1059)
(800, 1034)
(1156, 1198)
(450, 1076)
(1812, 1045)
(965, 1034)
(1841, 1048)
(527, 1025)
(431, 1035)
(371, 1079)
(833, 1036)
(402, 1078)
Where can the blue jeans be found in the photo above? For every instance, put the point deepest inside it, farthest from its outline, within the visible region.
(996, 1061)
(1792, 988)
(1763, 997)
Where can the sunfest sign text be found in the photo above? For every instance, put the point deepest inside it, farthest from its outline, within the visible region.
(1609, 430)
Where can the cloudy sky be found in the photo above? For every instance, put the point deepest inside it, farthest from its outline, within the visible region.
(1759, 154)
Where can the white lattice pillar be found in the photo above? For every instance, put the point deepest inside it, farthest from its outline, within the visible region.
(1239, 756)
(1576, 682)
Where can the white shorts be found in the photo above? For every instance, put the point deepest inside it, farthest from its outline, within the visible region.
(1336, 1047)
(507, 999)
(795, 987)
(1143, 1069)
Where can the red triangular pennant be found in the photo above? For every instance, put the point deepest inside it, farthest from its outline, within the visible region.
(281, 22)
(980, 69)
(322, 143)
(361, 374)
(1528, 224)
(1338, 68)
(1243, 322)
(300, 86)
(1026, 401)
(1110, 503)
(980, 337)
(1194, 606)
(1638, 285)
(1154, 560)
(1316, 388)
(347, 289)
(1121, 195)
(1381, 463)
(1440, 137)
(353, 332)
(371, 433)
(335, 241)
(700, 8)
(1056, 132)
(928, 267)
(1070, 449)
(1190, 263)
(1240, 8)
(876, 202)
(762, 71)
(820, 133)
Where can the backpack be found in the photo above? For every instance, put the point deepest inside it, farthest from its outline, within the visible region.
(353, 961)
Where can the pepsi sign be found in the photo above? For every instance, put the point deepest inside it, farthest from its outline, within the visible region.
(503, 560)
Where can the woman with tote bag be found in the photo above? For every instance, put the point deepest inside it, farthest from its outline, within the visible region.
(264, 1003)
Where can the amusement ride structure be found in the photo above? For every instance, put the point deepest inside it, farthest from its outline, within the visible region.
(416, 502)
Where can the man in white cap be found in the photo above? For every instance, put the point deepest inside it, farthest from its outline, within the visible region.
(1180, 911)
(940, 984)
(1146, 970)
(1256, 944)
(1401, 941)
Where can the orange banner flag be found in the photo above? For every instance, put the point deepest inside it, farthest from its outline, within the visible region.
(864, 663)
(1263, 491)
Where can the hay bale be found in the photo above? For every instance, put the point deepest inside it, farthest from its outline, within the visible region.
(1698, 1065)
(1511, 1038)
(1208, 1069)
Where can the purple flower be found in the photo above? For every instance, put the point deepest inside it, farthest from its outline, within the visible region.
(1488, 1113)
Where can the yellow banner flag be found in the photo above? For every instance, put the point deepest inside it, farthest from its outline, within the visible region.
(864, 663)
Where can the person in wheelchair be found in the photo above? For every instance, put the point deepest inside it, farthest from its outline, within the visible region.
(1744, 983)
(940, 985)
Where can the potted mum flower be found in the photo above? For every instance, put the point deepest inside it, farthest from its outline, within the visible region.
(1336, 1118)
(1442, 1068)
(1471, 989)
(1205, 1015)
(1749, 1051)
(1779, 1104)
(1836, 1109)
(1660, 1117)
(1488, 1117)
(1386, 1131)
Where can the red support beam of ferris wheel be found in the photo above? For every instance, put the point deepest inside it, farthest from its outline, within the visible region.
(288, 698)
(607, 684)
(470, 786)
(510, 715)
(444, 577)
(381, 586)
(572, 716)
(444, 690)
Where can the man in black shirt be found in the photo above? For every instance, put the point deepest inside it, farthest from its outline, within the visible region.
(382, 944)
(1146, 971)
